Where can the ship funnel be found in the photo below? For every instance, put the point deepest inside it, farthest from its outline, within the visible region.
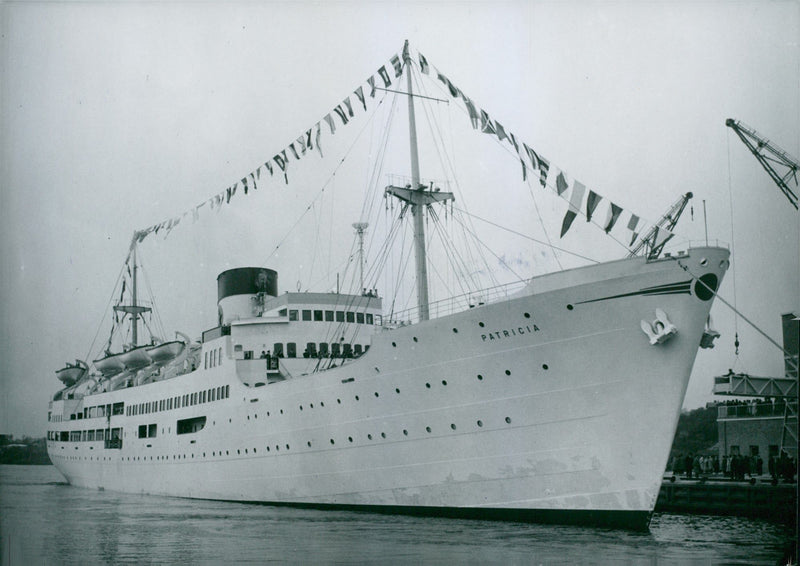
(241, 292)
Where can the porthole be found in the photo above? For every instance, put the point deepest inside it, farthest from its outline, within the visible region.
(427, 428)
(383, 435)
(508, 372)
(405, 432)
(321, 404)
(527, 315)
(332, 441)
(455, 331)
(396, 390)
(428, 385)
(267, 448)
(356, 397)
(394, 344)
(570, 307)
(238, 451)
(480, 423)
(245, 450)
(480, 377)
(704, 262)
(415, 339)
(444, 382)
(309, 443)
(311, 405)
(254, 450)
(508, 420)
(481, 324)
(339, 401)
(369, 436)
(545, 366)
(287, 446)
(453, 426)
(350, 439)
(281, 411)
(277, 448)
(376, 394)
(301, 407)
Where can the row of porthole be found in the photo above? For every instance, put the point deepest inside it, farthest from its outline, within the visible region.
(480, 323)
(428, 429)
(376, 394)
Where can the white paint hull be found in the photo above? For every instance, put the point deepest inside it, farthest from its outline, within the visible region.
(572, 417)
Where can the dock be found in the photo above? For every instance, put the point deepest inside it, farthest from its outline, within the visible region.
(758, 498)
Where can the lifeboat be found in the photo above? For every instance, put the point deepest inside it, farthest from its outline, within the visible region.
(110, 365)
(71, 374)
(136, 358)
(165, 352)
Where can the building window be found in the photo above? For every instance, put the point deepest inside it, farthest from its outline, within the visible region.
(306, 314)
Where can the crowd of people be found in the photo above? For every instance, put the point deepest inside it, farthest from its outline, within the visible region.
(735, 466)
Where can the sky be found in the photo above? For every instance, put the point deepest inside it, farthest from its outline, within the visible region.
(116, 116)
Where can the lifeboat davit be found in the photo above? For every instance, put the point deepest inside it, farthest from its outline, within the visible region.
(71, 374)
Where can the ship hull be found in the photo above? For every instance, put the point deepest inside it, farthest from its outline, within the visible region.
(551, 406)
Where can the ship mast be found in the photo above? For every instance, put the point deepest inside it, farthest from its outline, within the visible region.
(418, 198)
(133, 309)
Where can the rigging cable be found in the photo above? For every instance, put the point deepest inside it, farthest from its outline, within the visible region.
(733, 263)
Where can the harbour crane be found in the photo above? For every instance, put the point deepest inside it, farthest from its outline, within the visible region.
(661, 232)
(771, 157)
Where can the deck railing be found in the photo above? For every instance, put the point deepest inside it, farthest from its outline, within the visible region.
(755, 410)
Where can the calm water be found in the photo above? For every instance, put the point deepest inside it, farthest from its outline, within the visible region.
(45, 521)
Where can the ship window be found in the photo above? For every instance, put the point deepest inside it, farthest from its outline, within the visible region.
(203, 397)
(282, 312)
(328, 316)
(323, 349)
(335, 350)
(311, 350)
(188, 426)
(339, 316)
(306, 314)
(357, 349)
(220, 355)
(237, 348)
(369, 318)
(152, 430)
(351, 316)
(291, 350)
(360, 317)
(347, 350)
(292, 315)
(318, 316)
(213, 395)
(227, 391)
(119, 408)
(142, 431)
(205, 361)
(83, 436)
(277, 349)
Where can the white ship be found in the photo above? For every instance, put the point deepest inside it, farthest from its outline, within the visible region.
(554, 402)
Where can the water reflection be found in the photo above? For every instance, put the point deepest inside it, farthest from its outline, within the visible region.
(53, 522)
